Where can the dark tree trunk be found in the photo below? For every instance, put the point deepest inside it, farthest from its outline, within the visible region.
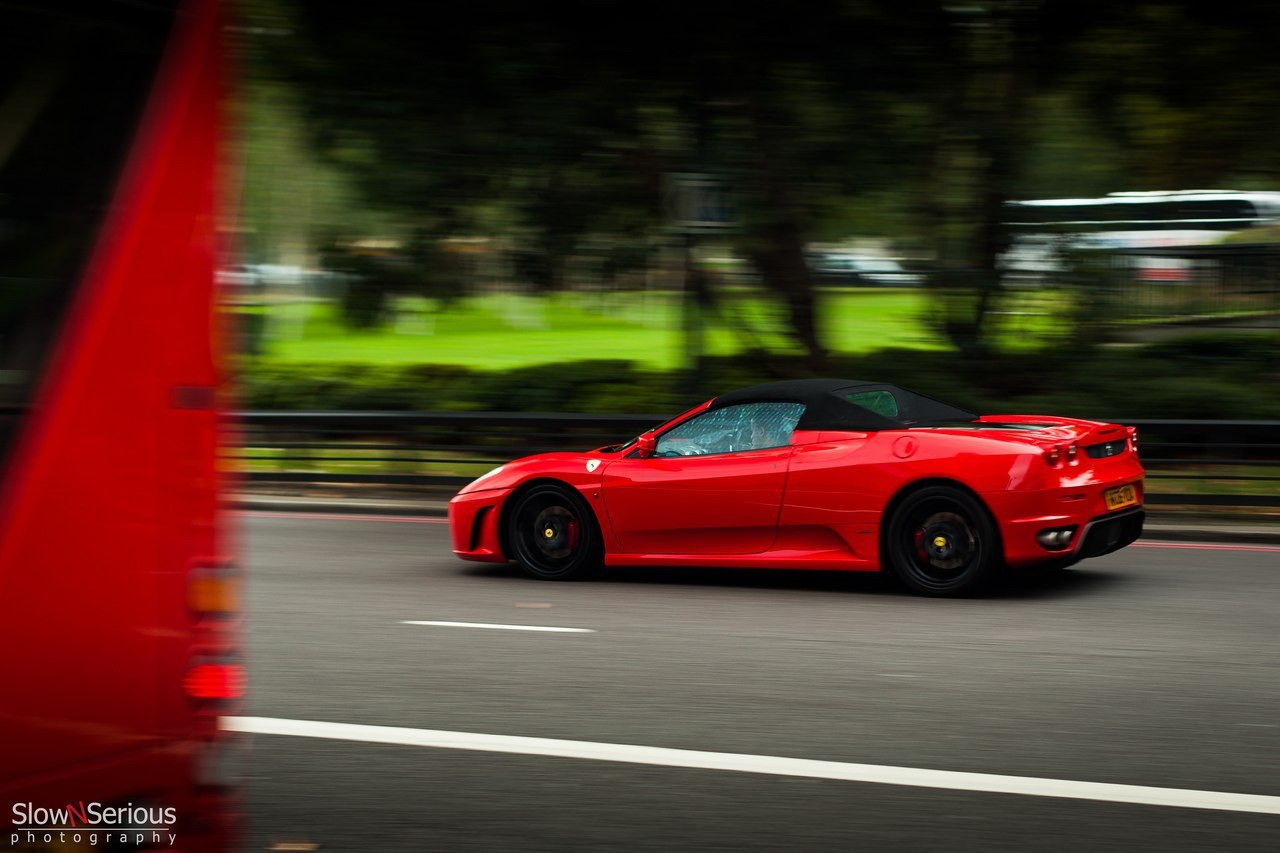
(982, 135)
(777, 245)
(778, 254)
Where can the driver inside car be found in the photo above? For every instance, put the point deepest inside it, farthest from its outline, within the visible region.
(771, 433)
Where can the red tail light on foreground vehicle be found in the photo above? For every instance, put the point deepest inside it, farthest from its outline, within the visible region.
(831, 474)
(215, 681)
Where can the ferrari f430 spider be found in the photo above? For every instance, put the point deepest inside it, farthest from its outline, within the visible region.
(818, 474)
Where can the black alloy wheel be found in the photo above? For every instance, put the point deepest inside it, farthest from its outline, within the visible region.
(553, 534)
(942, 541)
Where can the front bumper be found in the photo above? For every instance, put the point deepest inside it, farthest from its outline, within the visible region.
(474, 519)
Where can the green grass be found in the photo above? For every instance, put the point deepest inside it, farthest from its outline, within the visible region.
(500, 331)
(1215, 480)
(355, 459)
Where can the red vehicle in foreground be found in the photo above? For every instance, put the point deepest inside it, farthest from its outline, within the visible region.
(818, 474)
(119, 594)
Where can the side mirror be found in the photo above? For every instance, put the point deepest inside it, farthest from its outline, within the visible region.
(646, 445)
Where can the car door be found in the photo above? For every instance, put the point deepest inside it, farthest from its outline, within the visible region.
(713, 486)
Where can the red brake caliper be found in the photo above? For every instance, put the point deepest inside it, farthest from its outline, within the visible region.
(918, 539)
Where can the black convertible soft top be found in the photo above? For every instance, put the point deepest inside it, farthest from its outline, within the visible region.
(827, 404)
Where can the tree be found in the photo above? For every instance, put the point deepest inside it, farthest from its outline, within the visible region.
(570, 122)
(552, 121)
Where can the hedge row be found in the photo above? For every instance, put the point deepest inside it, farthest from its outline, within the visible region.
(1210, 376)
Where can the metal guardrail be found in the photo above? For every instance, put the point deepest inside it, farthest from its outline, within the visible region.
(1191, 463)
(431, 449)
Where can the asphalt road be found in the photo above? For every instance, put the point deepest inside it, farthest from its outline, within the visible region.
(1156, 666)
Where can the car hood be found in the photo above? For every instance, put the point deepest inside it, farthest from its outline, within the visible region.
(574, 467)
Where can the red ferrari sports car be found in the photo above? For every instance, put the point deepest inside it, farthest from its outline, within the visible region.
(818, 474)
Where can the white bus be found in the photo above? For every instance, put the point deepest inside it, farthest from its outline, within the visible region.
(1132, 220)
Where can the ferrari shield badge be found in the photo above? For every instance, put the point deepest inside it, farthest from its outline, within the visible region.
(592, 464)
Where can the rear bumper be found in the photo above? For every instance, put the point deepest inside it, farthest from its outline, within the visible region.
(1021, 516)
(1110, 533)
(474, 525)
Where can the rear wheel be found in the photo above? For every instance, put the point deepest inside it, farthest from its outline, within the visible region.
(942, 541)
(553, 533)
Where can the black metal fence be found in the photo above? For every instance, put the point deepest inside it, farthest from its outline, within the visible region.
(1221, 282)
(1192, 463)
(430, 449)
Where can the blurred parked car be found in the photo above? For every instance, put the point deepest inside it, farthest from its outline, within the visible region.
(238, 276)
(861, 270)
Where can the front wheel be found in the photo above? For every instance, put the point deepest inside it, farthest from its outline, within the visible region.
(941, 541)
(553, 533)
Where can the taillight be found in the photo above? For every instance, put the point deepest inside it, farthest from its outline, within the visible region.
(1058, 452)
(212, 682)
(1133, 439)
(216, 672)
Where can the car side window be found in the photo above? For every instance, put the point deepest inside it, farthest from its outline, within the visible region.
(733, 429)
(880, 402)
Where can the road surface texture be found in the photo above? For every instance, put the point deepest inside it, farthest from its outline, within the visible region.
(1143, 677)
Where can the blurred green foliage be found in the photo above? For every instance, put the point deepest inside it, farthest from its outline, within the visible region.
(497, 145)
(547, 125)
(1231, 380)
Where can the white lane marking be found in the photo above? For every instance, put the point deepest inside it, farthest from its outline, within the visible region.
(1208, 546)
(764, 764)
(335, 516)
(501, 627)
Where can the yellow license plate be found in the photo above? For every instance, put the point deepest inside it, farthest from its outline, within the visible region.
(1121, 497)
